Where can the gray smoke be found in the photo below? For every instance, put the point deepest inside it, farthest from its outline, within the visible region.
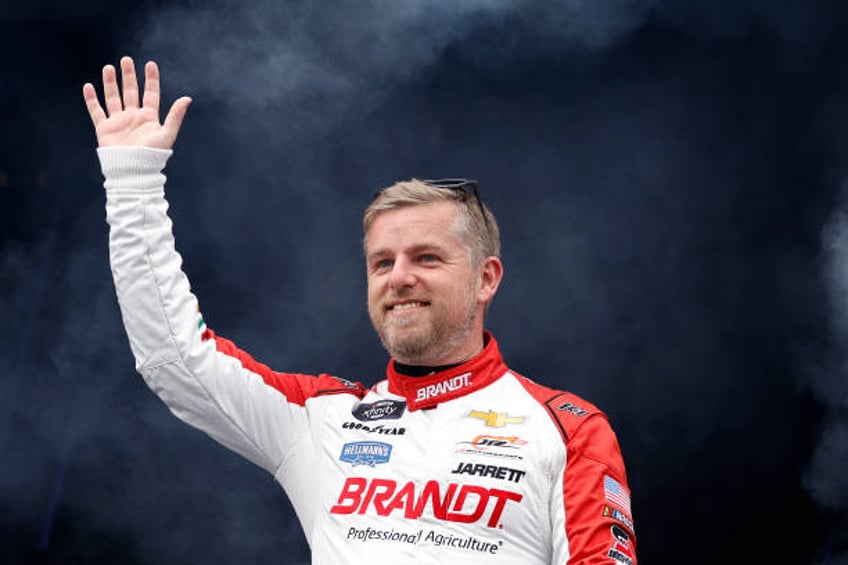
(348, 56)
(825, 477)
(673, 246)
(282, 84)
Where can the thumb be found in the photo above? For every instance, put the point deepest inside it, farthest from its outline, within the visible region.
(174, 119)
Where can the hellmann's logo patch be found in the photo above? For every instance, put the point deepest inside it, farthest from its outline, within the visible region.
(454, 383)
(369, 453)
(452, 502)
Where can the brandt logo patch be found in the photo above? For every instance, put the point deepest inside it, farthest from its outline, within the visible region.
(453, 502)
(444, 387)
(369, 453)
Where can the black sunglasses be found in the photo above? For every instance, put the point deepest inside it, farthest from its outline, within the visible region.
(468, 187)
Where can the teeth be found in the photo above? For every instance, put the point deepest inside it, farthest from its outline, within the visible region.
(406, 305)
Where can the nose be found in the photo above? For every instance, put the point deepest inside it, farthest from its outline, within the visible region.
(402, 274)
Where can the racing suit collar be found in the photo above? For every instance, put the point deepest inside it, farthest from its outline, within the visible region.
(450, 383)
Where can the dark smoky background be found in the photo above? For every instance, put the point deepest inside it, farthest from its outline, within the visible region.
(670, 180)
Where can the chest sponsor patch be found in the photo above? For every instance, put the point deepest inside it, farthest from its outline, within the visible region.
(496, 419)
(493, 446)
(493, 471)
(438, 389)
(431, 537)
(369, 453)
(380, 410)
(375, 428)
(453, 502)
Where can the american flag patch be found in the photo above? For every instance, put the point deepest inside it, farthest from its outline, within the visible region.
(616, 493)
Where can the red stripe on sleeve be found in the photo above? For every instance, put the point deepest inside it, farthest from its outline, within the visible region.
(296, 387)
(598, 530)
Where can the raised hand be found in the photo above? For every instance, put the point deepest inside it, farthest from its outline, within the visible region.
(124, 122)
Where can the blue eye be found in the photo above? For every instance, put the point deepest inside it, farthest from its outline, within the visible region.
(383, 264)
(428, 258)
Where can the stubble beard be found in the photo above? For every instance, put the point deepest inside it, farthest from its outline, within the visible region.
(431, 345)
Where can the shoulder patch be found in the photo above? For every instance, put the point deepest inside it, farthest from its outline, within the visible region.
(569, 411)
(331, 384)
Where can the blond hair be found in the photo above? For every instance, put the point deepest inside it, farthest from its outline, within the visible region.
(476, 221)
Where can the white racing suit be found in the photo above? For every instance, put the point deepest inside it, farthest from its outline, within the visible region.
(472, 465)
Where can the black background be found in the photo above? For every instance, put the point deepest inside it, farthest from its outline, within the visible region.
(668, 177)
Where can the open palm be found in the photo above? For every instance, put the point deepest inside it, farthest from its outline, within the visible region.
(124, 121)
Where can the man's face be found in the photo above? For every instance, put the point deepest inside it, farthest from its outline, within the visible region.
(423, 295)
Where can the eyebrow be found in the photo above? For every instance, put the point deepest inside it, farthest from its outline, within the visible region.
(417, 248)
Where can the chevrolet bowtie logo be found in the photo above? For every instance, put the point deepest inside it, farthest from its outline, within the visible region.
(496, 419)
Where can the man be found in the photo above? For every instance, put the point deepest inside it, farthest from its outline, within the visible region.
(453, 458)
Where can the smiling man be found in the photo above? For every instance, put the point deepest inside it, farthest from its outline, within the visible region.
(429, 281)
(452, 458)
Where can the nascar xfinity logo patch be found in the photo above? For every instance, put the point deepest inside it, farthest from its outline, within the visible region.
(380, 410)
(369, 453)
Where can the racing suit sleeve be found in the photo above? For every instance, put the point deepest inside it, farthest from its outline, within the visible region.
(204, 380)
(592, 511)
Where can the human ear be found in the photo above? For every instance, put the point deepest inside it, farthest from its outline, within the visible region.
(491, 273)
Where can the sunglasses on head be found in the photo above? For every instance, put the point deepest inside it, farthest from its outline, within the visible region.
(469, 188)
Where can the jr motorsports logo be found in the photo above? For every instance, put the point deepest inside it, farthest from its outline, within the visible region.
(504, 447)
(369, 453)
